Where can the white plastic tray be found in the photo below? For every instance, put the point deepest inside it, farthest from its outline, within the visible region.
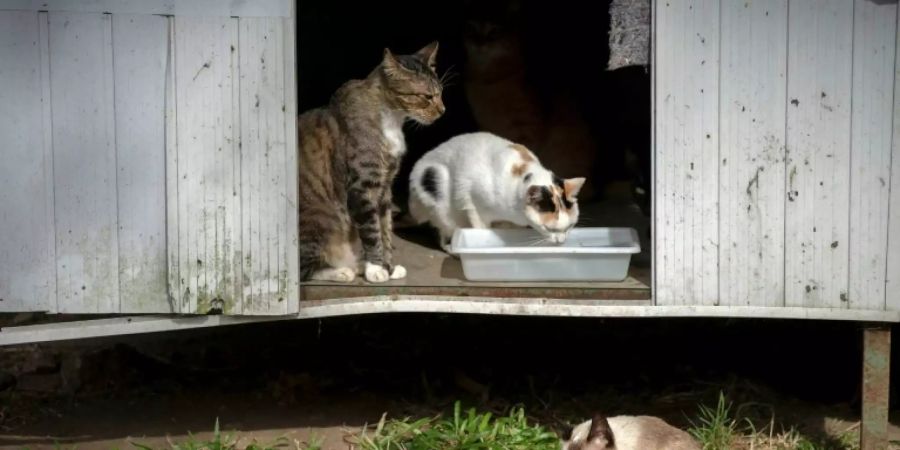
(589, 254)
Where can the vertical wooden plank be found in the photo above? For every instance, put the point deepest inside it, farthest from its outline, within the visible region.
(208, 214)
(28, 274)
(663, 260)
(705, 156)
(687, 150)
(754, 84)
(892, 281)
(291, 187)
(236, 178)
(84, 162)
(654, 165)
(664, 263)
(140, 50)
(818, 153)
(47, 132)
(263, 159)
(176, 280)
(874, 40)
(250, 171)
(234, 201)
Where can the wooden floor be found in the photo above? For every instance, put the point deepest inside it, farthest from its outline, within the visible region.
(430, 271)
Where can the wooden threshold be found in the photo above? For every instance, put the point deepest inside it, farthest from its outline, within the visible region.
(431, 272)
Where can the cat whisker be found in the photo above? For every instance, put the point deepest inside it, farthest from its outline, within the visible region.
(448, 78)
(448, 74)
(537, 241)
(531, 240)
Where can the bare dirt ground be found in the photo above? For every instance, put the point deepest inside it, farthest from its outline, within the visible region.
(329, 378)
(157, 421)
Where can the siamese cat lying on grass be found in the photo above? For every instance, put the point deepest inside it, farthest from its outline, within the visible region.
(627, 433)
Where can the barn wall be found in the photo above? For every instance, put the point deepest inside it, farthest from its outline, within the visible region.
(775, 127)
(147, 158)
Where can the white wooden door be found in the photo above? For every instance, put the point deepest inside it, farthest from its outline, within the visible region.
(148, 156)
(776, 152)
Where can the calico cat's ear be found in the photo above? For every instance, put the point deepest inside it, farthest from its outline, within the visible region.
(600, 433)
(428, 54)
(572, 186)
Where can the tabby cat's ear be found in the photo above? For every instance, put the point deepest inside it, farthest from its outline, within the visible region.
(429, 54)
(388, 59)
(391, 66)
(572, 186)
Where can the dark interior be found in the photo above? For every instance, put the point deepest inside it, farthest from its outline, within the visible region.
(565, 49)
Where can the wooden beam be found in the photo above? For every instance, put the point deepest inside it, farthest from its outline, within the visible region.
(315, 309)
(875, 387)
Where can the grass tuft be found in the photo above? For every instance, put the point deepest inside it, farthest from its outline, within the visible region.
(718, 427)
(466, 430)
(220, 441)
(714, 427)
(314, 443)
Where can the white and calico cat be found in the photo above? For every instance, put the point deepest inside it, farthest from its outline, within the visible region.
(627, 433)
(503, 100)
(478, 179)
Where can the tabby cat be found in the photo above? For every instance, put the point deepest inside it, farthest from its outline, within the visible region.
(349, 154)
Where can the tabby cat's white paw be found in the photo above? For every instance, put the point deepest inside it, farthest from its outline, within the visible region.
(398, 272)
(376, 273)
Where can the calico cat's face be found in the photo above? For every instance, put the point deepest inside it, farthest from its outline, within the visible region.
(594, 434)
(412, 85)
(552, 208)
